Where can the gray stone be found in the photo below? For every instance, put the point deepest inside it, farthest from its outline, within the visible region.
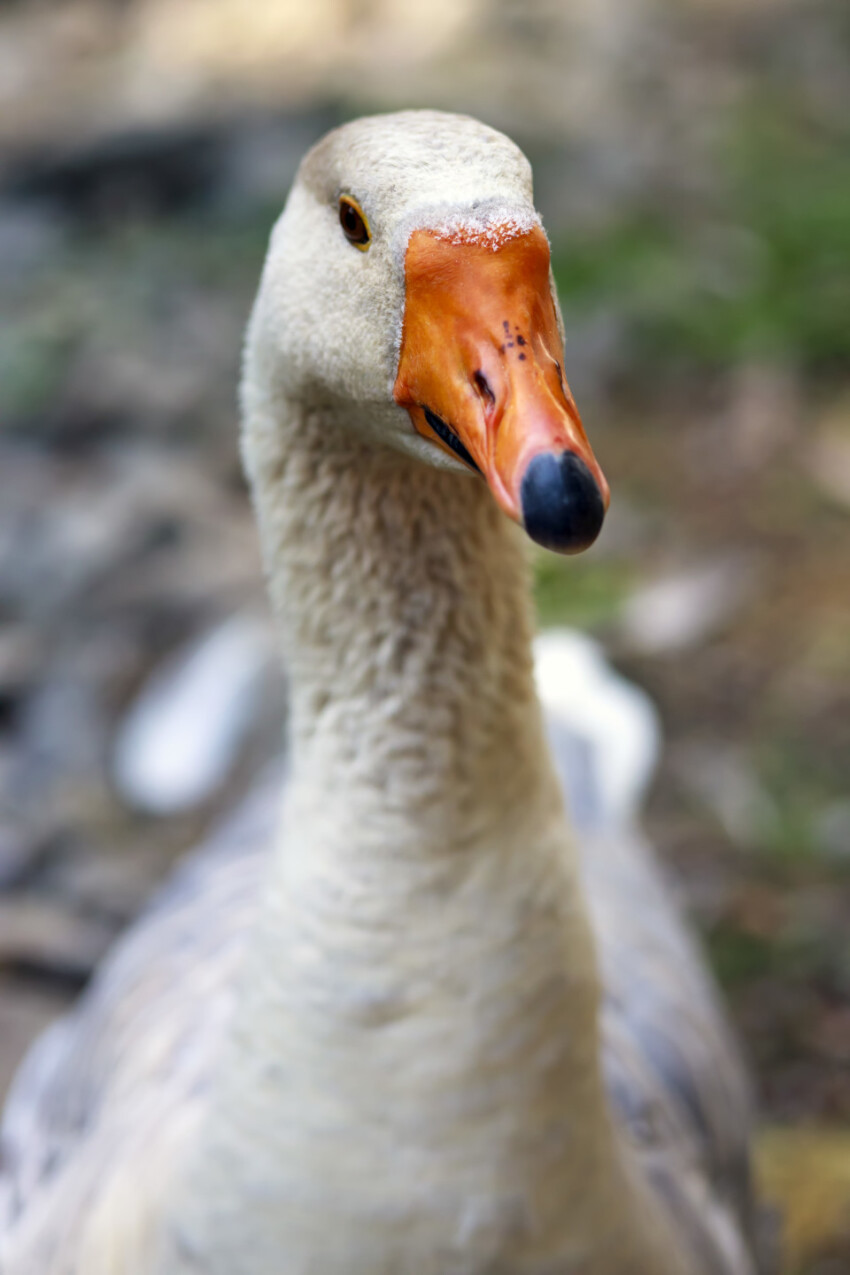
(24, 1014)
(46, 934)
(726, 785)
(183, 734)
(686, 608)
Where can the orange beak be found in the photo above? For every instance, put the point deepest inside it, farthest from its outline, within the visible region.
(480, 374)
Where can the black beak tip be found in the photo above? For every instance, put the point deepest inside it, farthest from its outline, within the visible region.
(562, 507)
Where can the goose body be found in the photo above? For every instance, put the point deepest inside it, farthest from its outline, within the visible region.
(398, 1016)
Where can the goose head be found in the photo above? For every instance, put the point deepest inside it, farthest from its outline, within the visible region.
(408, 284)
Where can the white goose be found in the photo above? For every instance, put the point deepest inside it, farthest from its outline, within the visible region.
(391, 1028)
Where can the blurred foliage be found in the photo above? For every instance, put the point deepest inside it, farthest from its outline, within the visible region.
(806, 1173)
(800, 787)
(759, 267)
(587, 592)
(119, 287)
(217, 250)
(33, 360)
(740, 953)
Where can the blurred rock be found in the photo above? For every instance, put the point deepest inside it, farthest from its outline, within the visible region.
(827, 455)
(759, 415)
(832, 830)
(628, 530)
(184, 732)
(17, 852)
(47, 935)
(61, 528)
(63, 731)
(141, 173)
(28, 237)
(725, 783)
(597, 345)
(113, 881)
(24, 1013)
(763, 413)
(20, 660)
(685, 609)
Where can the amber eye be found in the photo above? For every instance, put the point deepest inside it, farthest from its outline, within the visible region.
(354, 224)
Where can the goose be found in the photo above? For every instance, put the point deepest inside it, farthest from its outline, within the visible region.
(398, 1016)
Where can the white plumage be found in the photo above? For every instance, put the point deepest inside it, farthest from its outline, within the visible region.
(393, 1019)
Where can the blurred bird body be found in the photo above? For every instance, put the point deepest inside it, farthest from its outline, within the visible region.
(398, 1015)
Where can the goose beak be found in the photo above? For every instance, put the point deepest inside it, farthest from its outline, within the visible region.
(479, 372)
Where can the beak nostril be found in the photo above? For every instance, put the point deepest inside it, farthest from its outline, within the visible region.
(482, 385)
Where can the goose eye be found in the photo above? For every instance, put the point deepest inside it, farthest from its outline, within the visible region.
(354, 224)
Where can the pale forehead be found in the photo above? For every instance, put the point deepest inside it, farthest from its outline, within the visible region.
(418, 157)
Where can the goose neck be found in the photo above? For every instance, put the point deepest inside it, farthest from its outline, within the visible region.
(402, 601)
(414, 1051)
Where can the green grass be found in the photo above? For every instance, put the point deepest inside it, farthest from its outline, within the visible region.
(221, 252)
(580, 592)
(798, 954)
(34, 358)
(738, 957)
(763, 272)
(800, 788)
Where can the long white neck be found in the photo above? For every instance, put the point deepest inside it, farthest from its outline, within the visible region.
(403, 610)
(412, 1079)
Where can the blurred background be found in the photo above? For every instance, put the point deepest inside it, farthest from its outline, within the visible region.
(693, 170)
